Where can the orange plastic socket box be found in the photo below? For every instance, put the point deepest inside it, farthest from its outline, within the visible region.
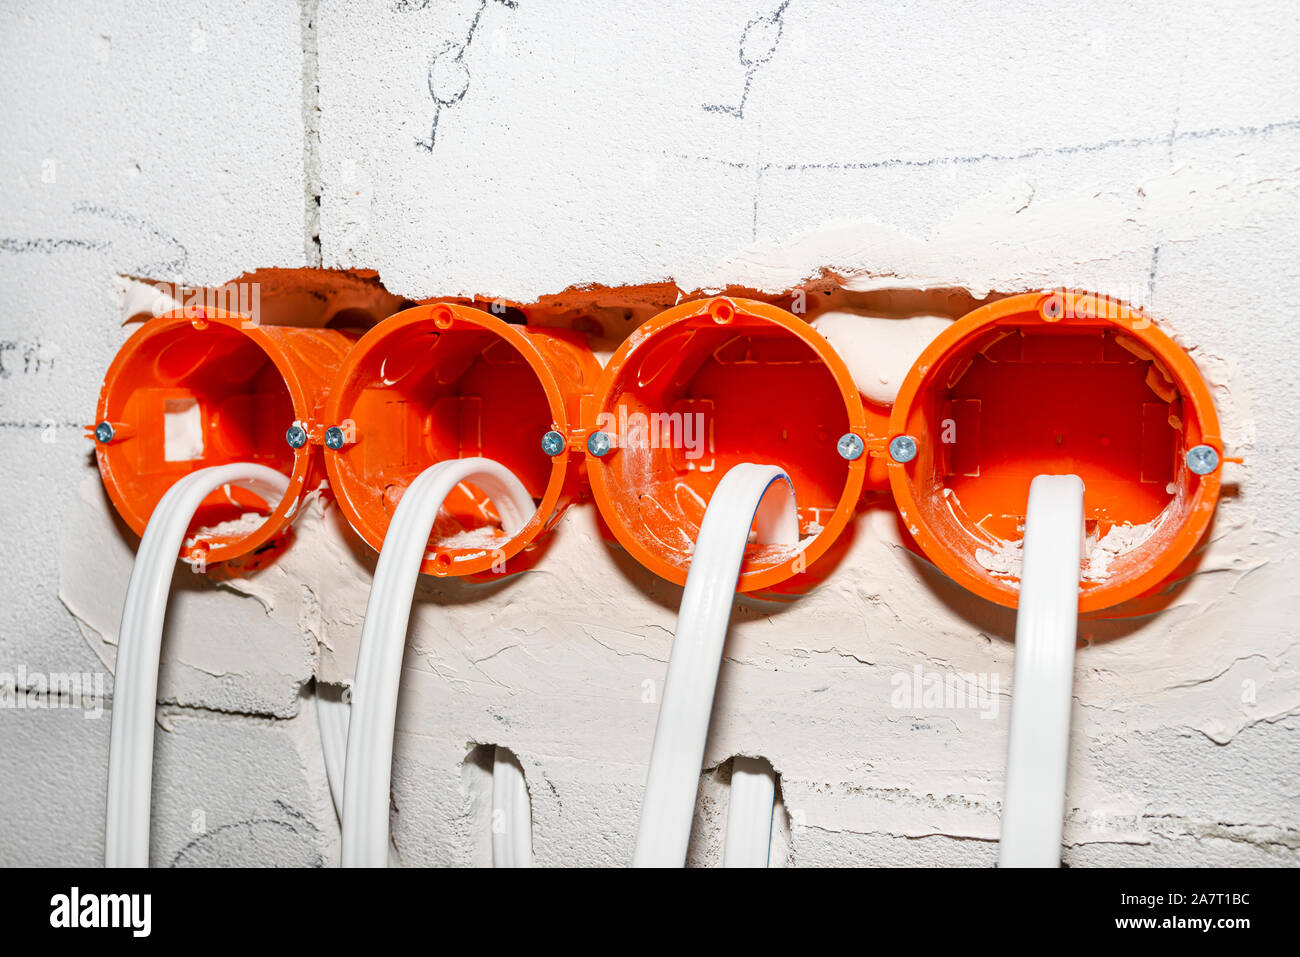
(192, 389)
(447, 381)
(1041, 383)
(706, 385)
(1055, 383)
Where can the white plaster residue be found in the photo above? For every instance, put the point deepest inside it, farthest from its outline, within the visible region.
(878, 351)
(1003, 560)
(140, 300)
(246, 524)
(221, 650)
(1120, 540)
(324, 580)
(486, 537)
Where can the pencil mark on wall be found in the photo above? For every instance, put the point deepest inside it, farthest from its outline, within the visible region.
(1034, 153)
(758, 43)
(129, 232)
(23, 425)
(47, 246)
(171, 256)
(245, 840)
(25, 357)
(448, 76)
(1151, 275)
(554, 792)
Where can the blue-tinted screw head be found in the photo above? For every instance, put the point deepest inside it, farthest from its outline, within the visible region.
(1202, 459)
(902, 448)
(296, 436)
(552, 443)
(598, 444)
(334, 438)
(849, 446)
(104, 433)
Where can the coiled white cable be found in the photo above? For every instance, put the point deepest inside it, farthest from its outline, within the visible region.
(760, 495)
(1047, 626)
(368, 775)
(139, 647)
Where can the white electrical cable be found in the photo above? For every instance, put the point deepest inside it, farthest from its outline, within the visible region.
(742, 498)
(1047, 624)
(368, 775)
(749, 813)
(139, 647)
(332, 716)
(512, 824)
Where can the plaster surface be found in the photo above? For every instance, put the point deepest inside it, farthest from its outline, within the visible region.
(602, 160)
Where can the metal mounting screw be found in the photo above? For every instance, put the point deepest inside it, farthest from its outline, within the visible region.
(334, 438)
(902, 448)
(104, 433)
(296, 436)
(552, 443)
(849, 446)
(1202, 459)
(598, 444)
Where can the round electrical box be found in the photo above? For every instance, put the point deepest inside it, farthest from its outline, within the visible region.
(1055, 383)
(707, 385)
(444, 381)
(193, 389)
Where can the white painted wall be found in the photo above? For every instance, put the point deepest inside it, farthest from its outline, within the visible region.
(1147, 155)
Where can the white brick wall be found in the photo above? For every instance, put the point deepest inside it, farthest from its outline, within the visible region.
(936, 144)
